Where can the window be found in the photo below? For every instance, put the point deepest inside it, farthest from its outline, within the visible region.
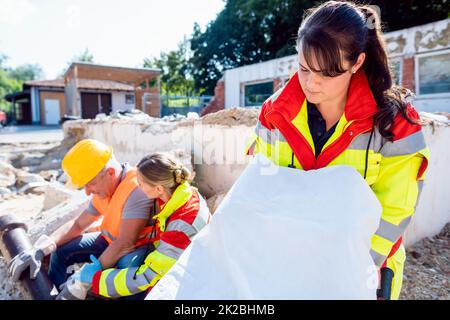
(256, 94)
(433, 74)
(129, 99)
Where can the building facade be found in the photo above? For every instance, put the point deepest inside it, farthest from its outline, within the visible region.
(86, 90)
(420, 57)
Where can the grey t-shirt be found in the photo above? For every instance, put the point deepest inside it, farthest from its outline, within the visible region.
(137, 206)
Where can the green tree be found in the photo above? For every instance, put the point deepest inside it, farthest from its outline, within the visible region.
(26, 72)
(250, 31)
(84, 56)
(11, 79)
(176, 75)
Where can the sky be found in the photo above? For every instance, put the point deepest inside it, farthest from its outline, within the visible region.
(116, 32)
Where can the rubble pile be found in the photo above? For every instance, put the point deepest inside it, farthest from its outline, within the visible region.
(427, 269)
(231, 117)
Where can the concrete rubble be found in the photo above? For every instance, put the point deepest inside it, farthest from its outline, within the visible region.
(213, 147)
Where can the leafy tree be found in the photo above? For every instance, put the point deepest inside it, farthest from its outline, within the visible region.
(11, 79)
(84, 56)
(176, 75)
(26, 72)
(250, 31)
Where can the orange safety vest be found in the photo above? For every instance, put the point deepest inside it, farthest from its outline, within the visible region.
(111, 209)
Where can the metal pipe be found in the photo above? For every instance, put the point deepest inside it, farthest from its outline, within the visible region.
(14, 239)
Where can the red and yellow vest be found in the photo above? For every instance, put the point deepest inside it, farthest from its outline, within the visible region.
(111, 209)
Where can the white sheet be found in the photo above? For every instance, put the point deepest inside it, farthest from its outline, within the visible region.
(282, 233)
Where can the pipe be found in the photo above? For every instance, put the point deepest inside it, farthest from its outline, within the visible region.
(14, 239)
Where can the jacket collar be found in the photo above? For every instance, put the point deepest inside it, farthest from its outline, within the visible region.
(359, 110)
(360, 101)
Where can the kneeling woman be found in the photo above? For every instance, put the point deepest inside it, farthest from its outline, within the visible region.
(183, 213)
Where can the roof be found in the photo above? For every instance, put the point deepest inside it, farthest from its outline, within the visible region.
(84, 84)
(25, 94)
(104, 85)
(134, 76)
(56, 83)
(88, 64)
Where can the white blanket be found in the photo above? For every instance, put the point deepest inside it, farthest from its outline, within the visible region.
(283, 233)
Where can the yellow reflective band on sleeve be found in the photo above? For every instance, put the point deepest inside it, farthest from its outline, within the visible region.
(159, 263)
(103, 287)
(120, 283)
(381, 245)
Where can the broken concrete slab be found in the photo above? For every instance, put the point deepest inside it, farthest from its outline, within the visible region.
(4, 191)
(23, 178)
(34, 187)
(7, 174)
(55, 194)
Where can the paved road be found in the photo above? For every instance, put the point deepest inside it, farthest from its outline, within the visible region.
(31, 134)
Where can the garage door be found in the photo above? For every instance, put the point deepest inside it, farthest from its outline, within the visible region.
(52, 112)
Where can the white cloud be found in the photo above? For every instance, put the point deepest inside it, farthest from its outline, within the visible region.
(14, 12)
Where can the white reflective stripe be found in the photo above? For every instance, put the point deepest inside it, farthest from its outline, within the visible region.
(269, 136)
(109, 235)
(378, 259)
(203, 215)
(420, 186)
(110, 285)
(361, 141)
(391, 231)
(169, 250)
(182, 226)
(408, 145)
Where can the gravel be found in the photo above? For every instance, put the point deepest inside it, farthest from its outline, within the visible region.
(427, 269)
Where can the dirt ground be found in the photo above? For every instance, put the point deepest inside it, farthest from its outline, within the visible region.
(427, 269)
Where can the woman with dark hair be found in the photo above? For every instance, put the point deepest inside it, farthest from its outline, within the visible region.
(341, 108)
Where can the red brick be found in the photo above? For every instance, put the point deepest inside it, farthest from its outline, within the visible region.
(218, 101)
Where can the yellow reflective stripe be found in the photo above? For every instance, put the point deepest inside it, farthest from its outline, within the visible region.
(159, 263)
(301, 123)
(103, 287)
(381, 245)
(120, 281)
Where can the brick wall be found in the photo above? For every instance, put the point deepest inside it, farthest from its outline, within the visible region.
(218, 102)
(408, 73)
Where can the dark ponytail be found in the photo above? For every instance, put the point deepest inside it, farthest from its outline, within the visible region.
(391, 99)
(343, 28)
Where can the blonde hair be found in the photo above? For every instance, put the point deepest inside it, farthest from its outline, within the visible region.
(163, 169)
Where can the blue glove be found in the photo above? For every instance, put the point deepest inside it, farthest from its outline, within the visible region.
(86, 274)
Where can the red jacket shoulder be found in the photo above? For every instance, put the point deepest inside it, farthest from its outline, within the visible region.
(401, 128)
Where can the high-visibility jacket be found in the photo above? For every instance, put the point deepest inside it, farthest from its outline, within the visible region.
(393, 169)
(180, 219)
(111, 209)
